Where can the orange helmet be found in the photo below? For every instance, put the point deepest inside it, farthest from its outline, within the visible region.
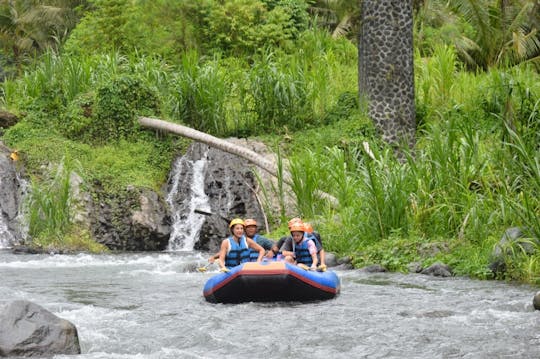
(250, 222)
(297, 227)
(308, 227)
(293, 221)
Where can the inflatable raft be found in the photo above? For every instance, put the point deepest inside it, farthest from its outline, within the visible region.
(271, 282)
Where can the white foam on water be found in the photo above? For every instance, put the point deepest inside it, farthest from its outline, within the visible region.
(89, 260)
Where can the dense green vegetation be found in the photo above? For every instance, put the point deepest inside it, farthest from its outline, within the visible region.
(272, 69)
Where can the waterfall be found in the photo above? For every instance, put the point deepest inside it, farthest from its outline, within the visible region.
(6, 237)
(188, 177)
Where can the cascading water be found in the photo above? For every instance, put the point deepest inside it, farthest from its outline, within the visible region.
(186, 223)
(6, 237)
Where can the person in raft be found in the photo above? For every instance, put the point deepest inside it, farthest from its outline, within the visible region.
(303, 251)
(316, 238)
(235, 249)
(252, 232)
(288, 238)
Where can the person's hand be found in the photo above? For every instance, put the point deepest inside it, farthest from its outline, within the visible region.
(270, 254)
(224, 270)
(303, 266)
(322, 268)
(211, 260)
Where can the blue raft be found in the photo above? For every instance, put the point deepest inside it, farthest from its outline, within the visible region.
(271, 282)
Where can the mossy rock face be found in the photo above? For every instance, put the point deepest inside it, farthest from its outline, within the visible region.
(131, 220)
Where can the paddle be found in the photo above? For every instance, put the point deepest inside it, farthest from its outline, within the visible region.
(205, 268)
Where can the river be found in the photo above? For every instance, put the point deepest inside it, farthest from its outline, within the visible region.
(150, 305)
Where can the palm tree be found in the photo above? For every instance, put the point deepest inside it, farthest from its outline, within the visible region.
(385, 68)
(499, 32)
(29, 27)
(341, 17)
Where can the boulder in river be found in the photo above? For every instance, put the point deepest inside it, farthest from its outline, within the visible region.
(438, 270)
(27, 329)
(536, 301)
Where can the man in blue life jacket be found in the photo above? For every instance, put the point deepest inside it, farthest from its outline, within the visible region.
(269, 246)
(303, 251)
(236, 248)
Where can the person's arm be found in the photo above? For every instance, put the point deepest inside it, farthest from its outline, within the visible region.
(252, 244)
(313, 252)
(286, 248)
(270, 246)
(322, 254)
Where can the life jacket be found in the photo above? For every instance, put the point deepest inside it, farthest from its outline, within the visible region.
(301, 252)
(253, 254)
(315, 240)
(237, 252)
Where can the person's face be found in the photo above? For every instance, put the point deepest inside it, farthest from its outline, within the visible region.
(251, 230)
(297, 236)
(238, 230)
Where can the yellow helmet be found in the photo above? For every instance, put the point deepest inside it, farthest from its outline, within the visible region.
(250, 222)
(236, 221)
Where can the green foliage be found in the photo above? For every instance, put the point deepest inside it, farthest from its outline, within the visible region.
(199, 93)
(117, 104)
(243, 27)
(278, 96)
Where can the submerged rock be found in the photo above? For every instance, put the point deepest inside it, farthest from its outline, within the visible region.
(27, 329)
(438, 270)
(536, 301)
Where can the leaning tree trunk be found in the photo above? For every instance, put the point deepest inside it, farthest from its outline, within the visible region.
(247, 154)
(386, 68)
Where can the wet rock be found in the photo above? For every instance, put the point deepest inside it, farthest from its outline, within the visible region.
(374, 268)
(438, 270)
(330, 259)
(29, 330)
(11, 192)
(7, 119)
(343, 266)
(536, 301)
(22, 249)
(414, 267)
(513, 240)
(136, 219)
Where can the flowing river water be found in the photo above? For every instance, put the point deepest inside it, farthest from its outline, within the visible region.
(150, 305)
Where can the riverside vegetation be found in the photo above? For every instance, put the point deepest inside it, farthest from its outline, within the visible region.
(284, 75)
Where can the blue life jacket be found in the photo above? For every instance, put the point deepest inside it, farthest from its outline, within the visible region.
(253, 254)
(238, 252)
(315, 240)
(301, 252)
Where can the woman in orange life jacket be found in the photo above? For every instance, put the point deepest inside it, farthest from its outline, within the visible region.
(268, 245)
(304, 250)
(316, 238)
(235, 249)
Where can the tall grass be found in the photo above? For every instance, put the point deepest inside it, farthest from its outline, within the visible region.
(199, 95)
(49, 205)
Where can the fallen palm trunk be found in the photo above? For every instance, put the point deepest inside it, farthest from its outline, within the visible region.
(247, 154)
